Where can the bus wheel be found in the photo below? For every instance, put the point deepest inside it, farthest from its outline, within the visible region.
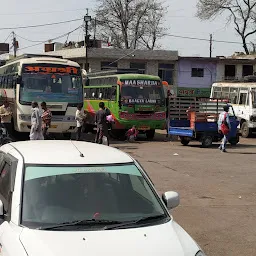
(117, 134)
(150, 134)
(245, 130)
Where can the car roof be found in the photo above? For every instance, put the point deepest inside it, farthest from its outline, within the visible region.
(67, 152)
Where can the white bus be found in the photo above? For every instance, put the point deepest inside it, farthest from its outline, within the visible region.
(242, 96)
(40, 78)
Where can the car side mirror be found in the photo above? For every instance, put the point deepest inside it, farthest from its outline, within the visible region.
(171, 199)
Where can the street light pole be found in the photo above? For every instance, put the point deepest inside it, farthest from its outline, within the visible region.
(87, 19)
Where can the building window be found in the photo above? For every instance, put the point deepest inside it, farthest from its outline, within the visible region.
(247, 70)
(197, 72)
(230, 72)
(108, 65)
(165, 72)
(140, 66)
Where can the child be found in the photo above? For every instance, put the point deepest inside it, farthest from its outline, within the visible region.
(132, 134)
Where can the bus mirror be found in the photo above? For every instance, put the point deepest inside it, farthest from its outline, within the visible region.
(18, 80)
(84, 74)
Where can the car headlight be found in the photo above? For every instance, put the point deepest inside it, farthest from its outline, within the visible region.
(200, 253)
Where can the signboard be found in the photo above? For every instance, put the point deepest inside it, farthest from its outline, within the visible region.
(140, 82)
(50, 69)
(194, 92)
(4, 48)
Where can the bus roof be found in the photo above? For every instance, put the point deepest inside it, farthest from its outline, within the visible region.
(129, 76)
(246, 85)
(41, 59)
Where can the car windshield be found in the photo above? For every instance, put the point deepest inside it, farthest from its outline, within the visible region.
(139, 92)
(54, 195)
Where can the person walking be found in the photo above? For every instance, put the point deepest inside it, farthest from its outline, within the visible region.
(36, 123)
(46, 119)
(80, 118)
(224, 127)
(101, 123)
(6, 117)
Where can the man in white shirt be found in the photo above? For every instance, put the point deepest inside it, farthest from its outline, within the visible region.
(80, 118)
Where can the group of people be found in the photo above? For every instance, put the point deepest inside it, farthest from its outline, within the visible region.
(40, 121)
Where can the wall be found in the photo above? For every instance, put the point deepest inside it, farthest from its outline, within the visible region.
(185, 79)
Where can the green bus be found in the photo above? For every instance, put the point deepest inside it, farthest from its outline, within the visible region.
(133, 99)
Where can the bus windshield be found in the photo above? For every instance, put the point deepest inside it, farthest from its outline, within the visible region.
(50, 86)
(137, 91)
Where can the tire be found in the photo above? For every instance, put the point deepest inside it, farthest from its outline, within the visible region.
(245, 130)
(234, 141)
(184, 141)
(150, 134)
(207, 141)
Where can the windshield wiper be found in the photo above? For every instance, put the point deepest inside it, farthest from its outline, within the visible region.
(136, 222)
(80, 222)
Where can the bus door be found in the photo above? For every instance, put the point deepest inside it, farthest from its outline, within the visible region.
(243, 111)
(112, 98)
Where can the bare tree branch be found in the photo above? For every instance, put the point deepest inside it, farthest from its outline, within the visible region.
(241, 12)
(131, 23)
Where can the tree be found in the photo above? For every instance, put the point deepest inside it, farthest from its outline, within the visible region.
(241, 12)
(131, 24)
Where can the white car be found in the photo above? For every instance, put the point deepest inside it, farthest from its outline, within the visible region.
(62, 198)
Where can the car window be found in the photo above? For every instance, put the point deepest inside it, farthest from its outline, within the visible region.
(5, 181)
(61, 194)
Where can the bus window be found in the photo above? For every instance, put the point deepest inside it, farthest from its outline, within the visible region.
(87, 93)
(225, 93)
(113, 94)
(243, 98)
(233, 96)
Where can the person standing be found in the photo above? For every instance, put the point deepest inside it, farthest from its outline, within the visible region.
(224, 127)
(36, 123)
(46, 119)
(80, 118)
(101, 123)
(6, 117)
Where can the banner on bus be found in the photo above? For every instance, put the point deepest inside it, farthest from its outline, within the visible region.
(50, 69)
(140, 82)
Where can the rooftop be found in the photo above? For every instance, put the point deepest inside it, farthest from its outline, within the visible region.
(67, 152)
(110, 53)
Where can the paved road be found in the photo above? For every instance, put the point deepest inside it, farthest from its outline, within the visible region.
(218, 190)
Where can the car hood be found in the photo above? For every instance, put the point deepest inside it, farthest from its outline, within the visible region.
(165, 240)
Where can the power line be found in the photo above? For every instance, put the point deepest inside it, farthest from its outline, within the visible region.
(46, 12)
(203, 39)
(58, 37)
(7, 37)
(41, 25)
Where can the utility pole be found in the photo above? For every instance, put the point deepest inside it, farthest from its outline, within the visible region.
(14, 44)
(210, 45)
(87, 19)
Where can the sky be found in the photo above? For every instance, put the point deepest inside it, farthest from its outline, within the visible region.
(180, 20)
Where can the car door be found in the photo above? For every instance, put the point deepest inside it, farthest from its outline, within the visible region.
(9, 239)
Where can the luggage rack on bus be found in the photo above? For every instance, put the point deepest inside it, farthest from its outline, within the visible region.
(27, 56)
(114, 72)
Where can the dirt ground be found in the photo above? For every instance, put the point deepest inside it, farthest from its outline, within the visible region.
(217, 190)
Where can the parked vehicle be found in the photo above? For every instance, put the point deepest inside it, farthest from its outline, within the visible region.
(133, 99)
(242, 96)
(73, 202)
(40, 78)
(199, 121)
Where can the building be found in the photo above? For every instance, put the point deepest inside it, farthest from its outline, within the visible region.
(157, 62)
(195, 76)
(235, 67)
